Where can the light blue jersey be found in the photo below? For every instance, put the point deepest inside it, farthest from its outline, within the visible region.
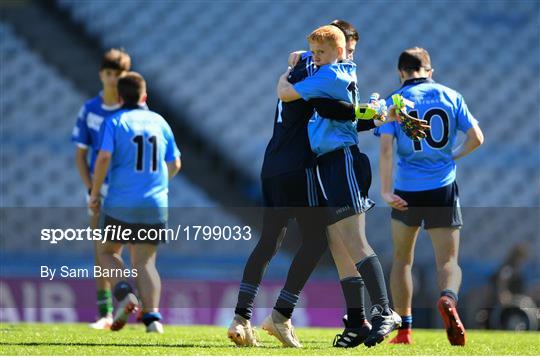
(141, 143)
(335, 81)
(427, 164)
(86, 131)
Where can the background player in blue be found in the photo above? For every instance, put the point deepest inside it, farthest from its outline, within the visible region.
(344, 173)
(86, 135)
(139, 147)
(425, 189)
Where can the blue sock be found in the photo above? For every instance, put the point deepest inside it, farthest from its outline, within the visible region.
(246, 296)
(121, 290)
(406, 322)
(450, 294)
(150, 317)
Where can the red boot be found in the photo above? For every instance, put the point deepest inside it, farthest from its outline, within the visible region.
(404, 337)
(454, 327)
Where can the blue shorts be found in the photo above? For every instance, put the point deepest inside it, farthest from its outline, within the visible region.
(293, 189)
(345, 177)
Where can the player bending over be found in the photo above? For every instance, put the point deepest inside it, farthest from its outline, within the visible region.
(138, 145)
(425, 190)
(344, 173)
(86, 135)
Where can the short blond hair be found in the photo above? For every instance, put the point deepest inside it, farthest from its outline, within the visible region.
(330, 34)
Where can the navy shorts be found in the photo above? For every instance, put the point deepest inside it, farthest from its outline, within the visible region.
(294, 189)
(294, 195)
(437, 208)
(345, 177)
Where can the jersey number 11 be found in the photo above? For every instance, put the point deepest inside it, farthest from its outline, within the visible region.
(139, 140)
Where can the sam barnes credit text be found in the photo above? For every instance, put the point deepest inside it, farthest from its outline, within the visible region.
(64, 271)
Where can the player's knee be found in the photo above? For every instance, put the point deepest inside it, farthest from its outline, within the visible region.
(266, 254)
(450, 266)
(403, 258)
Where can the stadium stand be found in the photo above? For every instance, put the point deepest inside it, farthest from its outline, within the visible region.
(38, 114)
(237, 73)
(49, 102)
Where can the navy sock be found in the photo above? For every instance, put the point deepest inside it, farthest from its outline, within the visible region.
(121, 290)
(406, 322)
(246, 296)
(450, 294)
(371, 271)
(286, 303)
(150, 317)
(353, 292)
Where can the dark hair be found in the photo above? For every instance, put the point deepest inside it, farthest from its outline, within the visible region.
(412, 59)
(348, 30)
(131, 86)
(116, 59)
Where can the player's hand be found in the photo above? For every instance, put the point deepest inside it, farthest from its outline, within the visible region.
(395, 201)
(413, 127)
(285, 75)
(94, 203)
(294, 57)
(376, 109)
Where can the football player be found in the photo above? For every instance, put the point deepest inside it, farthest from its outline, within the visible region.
(425, 189)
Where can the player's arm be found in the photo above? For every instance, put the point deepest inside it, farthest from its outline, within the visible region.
(294, 57)
(474, 139)
(340, 110)
(333, 109)
(285, 90)
(344, 111)
(100, 172)
(386, 164)
(174, 166)
(81, 161)
(81, 137)
(172, 153)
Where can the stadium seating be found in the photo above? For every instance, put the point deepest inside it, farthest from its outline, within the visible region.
(38, 115)
(40, 186)
(219, 64)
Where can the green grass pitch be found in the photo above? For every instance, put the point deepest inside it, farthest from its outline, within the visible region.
(78, 339)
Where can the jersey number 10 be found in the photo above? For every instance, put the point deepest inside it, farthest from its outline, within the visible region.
(139, 140)
(430, 140)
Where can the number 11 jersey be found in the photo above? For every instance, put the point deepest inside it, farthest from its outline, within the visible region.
(141, 143)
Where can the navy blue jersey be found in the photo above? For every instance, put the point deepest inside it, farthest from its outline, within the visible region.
(289, 149)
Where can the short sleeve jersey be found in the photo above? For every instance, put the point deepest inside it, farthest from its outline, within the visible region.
(427, 164)
(334, 81)
(141, 143)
